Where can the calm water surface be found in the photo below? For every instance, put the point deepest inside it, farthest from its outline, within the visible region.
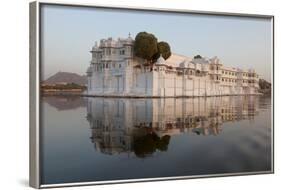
(93, 139)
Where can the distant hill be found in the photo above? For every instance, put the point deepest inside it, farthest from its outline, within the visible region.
(66, 77)
(65, 103)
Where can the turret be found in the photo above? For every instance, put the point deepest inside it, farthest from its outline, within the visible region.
(96, 54)
(128, 45)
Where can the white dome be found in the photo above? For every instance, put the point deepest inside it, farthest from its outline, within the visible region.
(160, 60)
(129, 40)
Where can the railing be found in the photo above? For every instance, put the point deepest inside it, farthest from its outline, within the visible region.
(215, 72)
(114, 57)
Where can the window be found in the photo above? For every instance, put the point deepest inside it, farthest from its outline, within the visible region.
(119, 65)
(122, 52)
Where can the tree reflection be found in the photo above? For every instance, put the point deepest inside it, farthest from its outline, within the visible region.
(150, 143)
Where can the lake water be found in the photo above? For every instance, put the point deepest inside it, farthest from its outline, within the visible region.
(96, 139)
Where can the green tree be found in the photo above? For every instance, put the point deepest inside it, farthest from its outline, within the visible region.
(145, 46)
(164, 50)
(197, 57)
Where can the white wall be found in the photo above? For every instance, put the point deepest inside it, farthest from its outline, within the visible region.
(14, 95)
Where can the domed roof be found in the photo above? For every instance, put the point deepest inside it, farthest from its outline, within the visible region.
(129, 39)
(160, 60)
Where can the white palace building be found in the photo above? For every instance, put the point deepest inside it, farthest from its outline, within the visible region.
(114, 71)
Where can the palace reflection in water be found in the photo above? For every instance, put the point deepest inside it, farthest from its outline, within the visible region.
(146, 125)
(93, 139)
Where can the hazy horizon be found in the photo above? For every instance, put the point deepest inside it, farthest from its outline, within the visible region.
(68, 34)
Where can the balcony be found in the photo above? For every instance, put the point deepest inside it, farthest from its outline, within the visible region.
(215, 72)
(112, 58)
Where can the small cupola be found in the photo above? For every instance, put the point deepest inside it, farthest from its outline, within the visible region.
(160, 60)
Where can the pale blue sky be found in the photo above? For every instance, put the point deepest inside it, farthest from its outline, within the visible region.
(68, 33)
